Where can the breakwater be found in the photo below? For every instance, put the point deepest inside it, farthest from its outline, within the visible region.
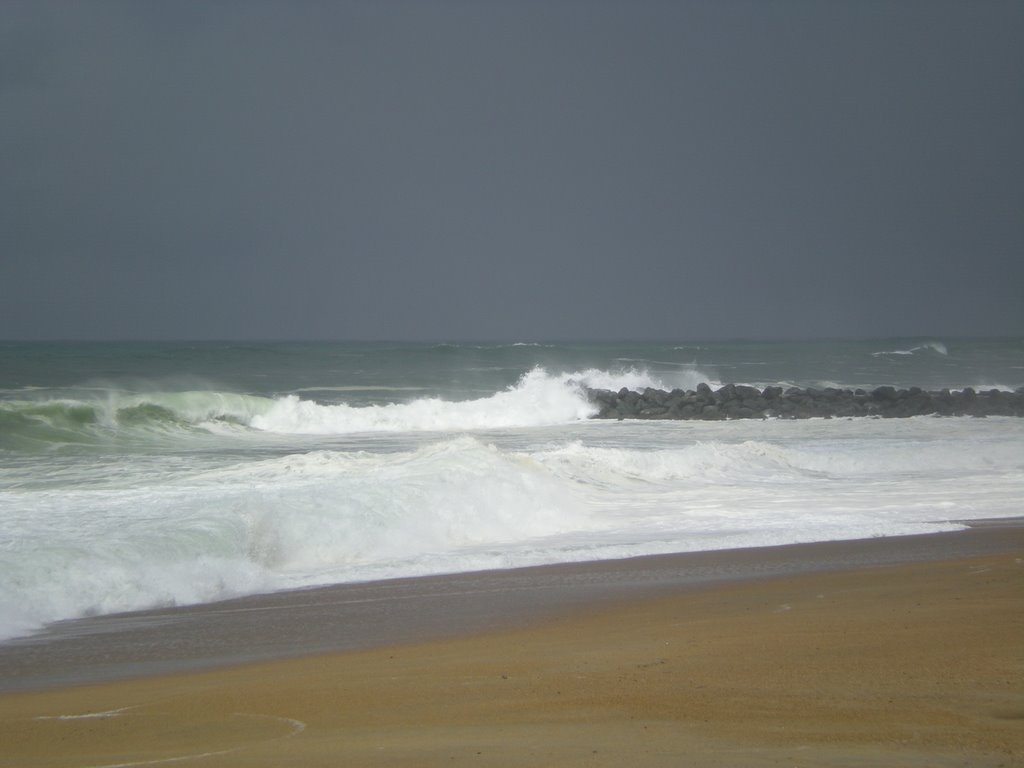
(735, 401)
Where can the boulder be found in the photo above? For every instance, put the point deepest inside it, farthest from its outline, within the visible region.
(733, 401)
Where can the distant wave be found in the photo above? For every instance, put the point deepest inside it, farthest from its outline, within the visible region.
(360, 388)
(931, 346)
(673, 363)
(454, 345)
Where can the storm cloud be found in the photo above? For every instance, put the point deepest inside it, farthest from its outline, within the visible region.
(511, 170)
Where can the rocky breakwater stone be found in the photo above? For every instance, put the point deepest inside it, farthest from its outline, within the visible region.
(736, 401)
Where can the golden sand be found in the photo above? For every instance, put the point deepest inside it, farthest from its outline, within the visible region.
(913, 665)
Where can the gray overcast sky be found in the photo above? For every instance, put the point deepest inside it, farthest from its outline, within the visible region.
(511, 170)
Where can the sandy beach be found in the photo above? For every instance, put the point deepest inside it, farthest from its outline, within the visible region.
(896, 652)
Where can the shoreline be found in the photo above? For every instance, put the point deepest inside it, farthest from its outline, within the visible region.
(873, 652)
(364, 616)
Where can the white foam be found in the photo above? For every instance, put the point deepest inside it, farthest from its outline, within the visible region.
(433, 502)
(538, 399)
(298, 519)
(593, 490)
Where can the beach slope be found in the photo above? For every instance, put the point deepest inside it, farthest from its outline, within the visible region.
(917, 664)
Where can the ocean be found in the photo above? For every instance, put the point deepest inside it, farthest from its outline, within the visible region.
(136, 475)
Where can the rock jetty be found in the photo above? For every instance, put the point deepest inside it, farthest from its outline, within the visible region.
(735, 401)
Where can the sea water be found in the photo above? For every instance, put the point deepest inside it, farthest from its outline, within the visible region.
(143, 474)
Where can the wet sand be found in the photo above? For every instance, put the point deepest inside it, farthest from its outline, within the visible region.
(896, 652)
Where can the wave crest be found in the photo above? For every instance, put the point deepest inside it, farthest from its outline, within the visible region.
(538, 399)
(27, 424)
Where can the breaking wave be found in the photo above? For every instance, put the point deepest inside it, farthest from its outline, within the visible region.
(112, 415)
(539, 398)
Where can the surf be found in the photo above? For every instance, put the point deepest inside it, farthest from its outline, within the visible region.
(538, 399)
(103, 415)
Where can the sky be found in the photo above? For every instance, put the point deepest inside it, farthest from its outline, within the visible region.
(520, 170)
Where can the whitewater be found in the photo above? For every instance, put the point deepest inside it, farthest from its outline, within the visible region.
(142, 475)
